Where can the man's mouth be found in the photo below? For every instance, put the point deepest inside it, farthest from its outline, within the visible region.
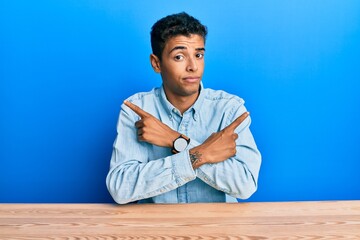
(191, 79)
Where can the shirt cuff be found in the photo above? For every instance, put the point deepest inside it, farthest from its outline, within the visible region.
(183, 170)
(192, 144)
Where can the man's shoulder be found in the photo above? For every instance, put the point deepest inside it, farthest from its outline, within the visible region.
(224, 104)
(222, 96)
(144, 96)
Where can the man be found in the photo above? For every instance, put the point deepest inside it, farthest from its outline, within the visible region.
(182, 143)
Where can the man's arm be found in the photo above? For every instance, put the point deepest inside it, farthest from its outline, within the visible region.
(132, 176)
(237, 176)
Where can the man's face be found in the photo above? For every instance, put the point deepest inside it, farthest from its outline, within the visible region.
(182, 66)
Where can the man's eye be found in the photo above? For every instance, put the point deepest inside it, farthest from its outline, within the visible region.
(199, 55)
(179, 57)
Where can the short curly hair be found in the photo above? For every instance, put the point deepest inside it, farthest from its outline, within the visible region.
(174, 25)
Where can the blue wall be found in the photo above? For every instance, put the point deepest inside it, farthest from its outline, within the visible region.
(66, 66)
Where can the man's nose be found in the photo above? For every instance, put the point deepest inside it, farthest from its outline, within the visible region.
(192, 65)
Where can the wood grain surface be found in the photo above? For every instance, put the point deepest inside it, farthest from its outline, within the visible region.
(270, 220)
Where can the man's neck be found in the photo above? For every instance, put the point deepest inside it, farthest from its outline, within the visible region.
(182, 103)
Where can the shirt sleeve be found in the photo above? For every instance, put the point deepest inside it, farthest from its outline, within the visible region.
(238, 175)
(133, 176)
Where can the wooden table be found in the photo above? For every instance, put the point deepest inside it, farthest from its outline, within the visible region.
(280, 220)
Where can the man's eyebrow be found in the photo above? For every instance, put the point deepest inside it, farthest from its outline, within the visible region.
(183, 47)
(177, 48)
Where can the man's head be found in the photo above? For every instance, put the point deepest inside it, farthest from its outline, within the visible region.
(174, 25)
(178, 43)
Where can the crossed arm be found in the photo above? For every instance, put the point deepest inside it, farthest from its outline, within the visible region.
(218, 161)
(217, 148)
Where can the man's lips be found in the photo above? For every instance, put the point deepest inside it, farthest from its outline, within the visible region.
(191, 79)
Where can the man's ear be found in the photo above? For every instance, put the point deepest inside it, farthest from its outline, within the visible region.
(155, 63)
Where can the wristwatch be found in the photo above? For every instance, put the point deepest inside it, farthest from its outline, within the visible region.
(180, 143)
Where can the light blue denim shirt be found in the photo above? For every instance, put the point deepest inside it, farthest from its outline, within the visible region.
(146, 173)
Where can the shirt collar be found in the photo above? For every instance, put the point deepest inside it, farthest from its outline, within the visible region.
(195, 108)
(198, 103)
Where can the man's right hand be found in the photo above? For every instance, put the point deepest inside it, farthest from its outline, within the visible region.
(219, 146)
(152, 130)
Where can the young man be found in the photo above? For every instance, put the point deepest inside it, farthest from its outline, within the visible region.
(181, 142)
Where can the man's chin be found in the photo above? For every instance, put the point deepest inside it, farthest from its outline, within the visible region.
(190, 91)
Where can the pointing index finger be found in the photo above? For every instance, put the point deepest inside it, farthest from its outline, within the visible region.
(237, 121)
(136, 109)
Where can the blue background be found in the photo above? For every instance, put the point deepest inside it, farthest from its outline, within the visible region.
(66, 66)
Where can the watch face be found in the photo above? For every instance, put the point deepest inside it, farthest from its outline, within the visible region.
(180, 144)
